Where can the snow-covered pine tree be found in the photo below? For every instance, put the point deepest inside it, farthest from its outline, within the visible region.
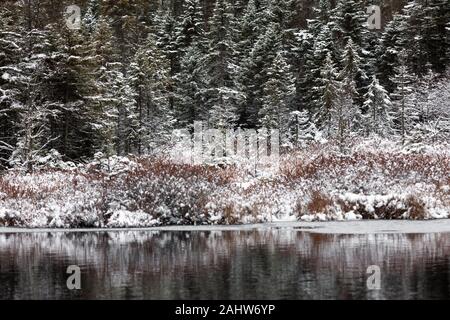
(401, 97)
(129, 21)
(301, 128)
(348, 21)
(124, 97)
(312, 47)
(432, 96)
(352, 71)
(149, 77)
(255, 69)
(103, 105)
(300, 51)
(337, 115)
(32, 106)
(276, 11)
(378, 108)
(419, 30)
(249, 27)
(11, 51)
(190, 25)
(190, 85)
(188, 69)
(279, 90)
(330, 90)
(91, 16)
(221, 96)
(164, 30)
(322, 14)
(423, 89)
(412, 39)
(435, 34)
(11, 35)
(389, 48)
(71, 81)
(283, 12)
(315, 60)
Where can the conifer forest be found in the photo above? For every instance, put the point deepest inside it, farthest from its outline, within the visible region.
(358, 90)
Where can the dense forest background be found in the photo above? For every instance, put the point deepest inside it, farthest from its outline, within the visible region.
(137, 69)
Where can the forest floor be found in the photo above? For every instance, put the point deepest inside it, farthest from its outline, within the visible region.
(373, 180)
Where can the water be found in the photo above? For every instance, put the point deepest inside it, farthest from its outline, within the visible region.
(271, 263)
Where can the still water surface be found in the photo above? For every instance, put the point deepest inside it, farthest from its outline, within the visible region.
(282, 263)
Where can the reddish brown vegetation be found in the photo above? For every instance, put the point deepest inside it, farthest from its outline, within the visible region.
(319, 203)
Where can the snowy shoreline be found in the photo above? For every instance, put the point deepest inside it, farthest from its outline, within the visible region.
(328, 227)
(376, 180)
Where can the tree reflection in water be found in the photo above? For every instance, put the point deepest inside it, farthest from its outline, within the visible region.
(247, 264)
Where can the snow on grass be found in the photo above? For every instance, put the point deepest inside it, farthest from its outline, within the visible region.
(377, 180)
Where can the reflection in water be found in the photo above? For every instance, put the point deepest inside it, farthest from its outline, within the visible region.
(255, 264)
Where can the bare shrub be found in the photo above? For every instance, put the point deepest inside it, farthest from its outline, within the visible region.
(319, 203)
(416, 208)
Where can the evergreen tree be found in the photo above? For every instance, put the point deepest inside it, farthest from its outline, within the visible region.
(348, 21)
(165, 33)
(315, 60)
(191, 84)
(435, 33)
(379, 108)
(123, 96)
(423, 89)
(191, 25)
(311, 50)
(412, 39)
(279, 90)
(33, 106)
(249, 27)
(302, 71)
(282, 12)
(388, 50)
(12, 47)
(433, 115)
(352, 71)
(301, 128)
(129, 21)
(322, 16)
(401, 97)
(221, 94)
(254, 71)
(331, 89)
(70, 84)
(91, 16)
(103, 104)
(116, 85)
(338, 116)
(149, 76)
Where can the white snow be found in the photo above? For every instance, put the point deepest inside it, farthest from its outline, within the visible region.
(330, 227)
(376, 180)
(124, 218)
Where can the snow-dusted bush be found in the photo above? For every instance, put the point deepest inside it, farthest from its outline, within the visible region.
(376, 180)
